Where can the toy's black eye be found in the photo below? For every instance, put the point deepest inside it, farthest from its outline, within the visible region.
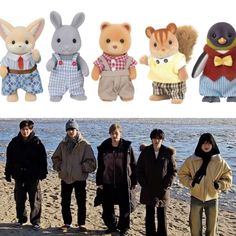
(26, 42)
(74, 40)
(108, 40)
(122, 40)
(13, 42)
(229, 35)
(170, 42)
(213, 35)
(155, 45)
(58, 40)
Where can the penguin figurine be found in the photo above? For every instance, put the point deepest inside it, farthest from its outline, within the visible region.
(217, 64)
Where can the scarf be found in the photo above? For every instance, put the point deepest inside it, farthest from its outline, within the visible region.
(206, 156)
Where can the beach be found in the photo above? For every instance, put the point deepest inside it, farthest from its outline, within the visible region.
(51, 219)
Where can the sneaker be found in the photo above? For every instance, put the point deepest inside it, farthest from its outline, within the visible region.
(124, 233)
(36, 227)
(65, 227)
(111, 230)
(82, 228)
(18, 224)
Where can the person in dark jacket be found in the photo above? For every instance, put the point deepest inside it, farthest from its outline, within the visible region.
(156, 169)
(27, 165)
(116, 175)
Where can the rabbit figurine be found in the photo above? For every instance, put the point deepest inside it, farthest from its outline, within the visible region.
(66, 65)
(18, 68)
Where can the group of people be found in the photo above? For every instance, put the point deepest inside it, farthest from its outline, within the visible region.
(205, 173)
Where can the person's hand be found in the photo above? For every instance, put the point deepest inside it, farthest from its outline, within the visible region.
(216, 185)
(100, 186)
(133, 187)
(8, 178)
(42, 177)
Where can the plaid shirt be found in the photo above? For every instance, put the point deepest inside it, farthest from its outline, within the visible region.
(114, 62)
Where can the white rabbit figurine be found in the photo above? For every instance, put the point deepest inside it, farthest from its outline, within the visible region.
(18, 68)
(66, 65)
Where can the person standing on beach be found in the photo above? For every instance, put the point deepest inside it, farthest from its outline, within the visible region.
(27, 164)
(73, 160)
(206, 174)
(116, 175)
(156, 171)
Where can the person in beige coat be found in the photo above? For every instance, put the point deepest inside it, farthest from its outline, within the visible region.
(73, 160)
(206, 174)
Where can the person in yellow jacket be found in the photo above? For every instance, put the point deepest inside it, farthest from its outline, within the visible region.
(206, 174)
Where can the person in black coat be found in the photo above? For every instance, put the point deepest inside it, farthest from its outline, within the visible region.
(27, 164)
(156, 169)
(116, 176)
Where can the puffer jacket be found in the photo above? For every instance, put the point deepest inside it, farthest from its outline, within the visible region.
(74, 165)
(26, 159)
(217, 170)
(156, 175)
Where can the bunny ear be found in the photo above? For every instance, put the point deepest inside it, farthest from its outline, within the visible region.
(36, 27)
(56, 19)
(78, 20)
(5, 28)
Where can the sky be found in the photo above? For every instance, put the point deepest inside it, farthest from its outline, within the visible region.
(139, 15)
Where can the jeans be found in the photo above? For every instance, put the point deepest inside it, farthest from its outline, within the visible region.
(80, 195)
(195, 217)
(150, 221)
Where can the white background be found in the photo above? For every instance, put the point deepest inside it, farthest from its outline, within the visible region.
(140, 14)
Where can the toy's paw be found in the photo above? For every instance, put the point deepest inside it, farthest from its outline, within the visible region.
(85, 73)
(176, 101)
(29, 97)
(50, 65)
(158, 97)
(12, 98)
(3, 71)
(144, 60)
(36, 55)
(132, 73)
(95, 73)
(210, 99)
(78, 98)
(126, 99)
(231, 99)
(55, 98)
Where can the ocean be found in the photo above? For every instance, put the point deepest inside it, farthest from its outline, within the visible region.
(182, 134)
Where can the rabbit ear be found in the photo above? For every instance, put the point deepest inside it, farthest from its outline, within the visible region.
(56, 19)
(36, 27)
(78, 20)
(5, 28)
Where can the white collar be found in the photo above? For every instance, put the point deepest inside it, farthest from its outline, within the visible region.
(15, 57)
(163, 60)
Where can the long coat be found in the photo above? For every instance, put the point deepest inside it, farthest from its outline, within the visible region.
(156, 175)
(106, 154)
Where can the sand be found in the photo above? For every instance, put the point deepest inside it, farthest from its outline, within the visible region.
(51, 220)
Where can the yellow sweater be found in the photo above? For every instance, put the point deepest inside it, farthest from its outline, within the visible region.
(217, 170)
(166, 72)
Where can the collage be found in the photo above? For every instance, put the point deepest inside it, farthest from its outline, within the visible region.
(117, 118)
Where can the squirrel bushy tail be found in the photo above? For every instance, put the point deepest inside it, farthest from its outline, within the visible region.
(187, 37)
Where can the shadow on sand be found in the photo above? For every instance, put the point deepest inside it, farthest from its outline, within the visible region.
(26, 230)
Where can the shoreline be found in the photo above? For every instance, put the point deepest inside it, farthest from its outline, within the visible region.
(51, 220)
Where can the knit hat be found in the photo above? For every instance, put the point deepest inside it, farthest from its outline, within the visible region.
(72, 124)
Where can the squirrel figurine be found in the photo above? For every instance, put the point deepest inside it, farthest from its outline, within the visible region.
(170, 49)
